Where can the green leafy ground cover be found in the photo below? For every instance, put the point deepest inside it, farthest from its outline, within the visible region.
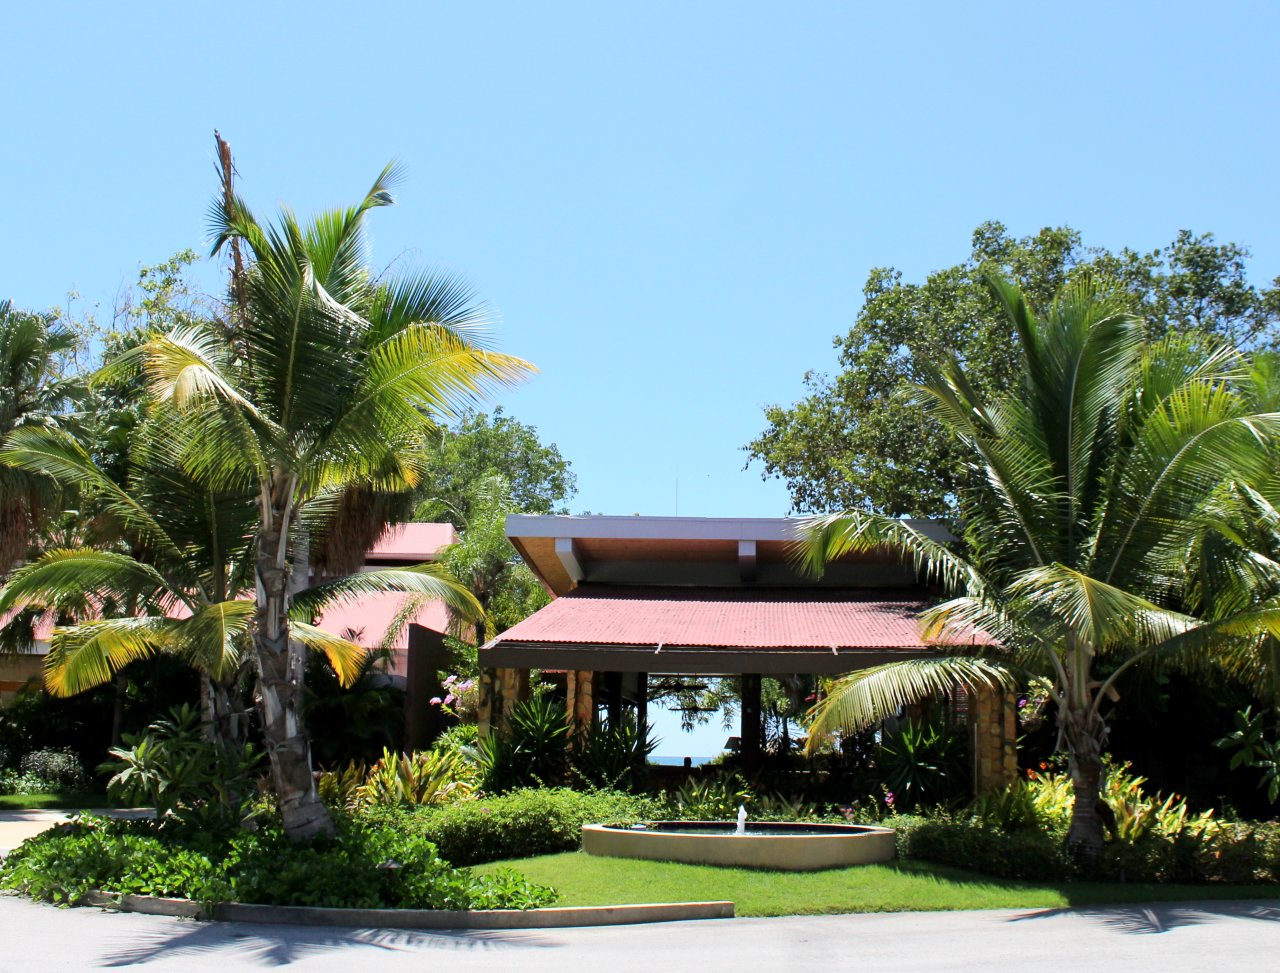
(363, 867)
(583, 879)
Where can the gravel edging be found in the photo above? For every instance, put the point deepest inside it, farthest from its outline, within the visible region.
(553, 918)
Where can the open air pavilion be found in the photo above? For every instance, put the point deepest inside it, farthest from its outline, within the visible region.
(636, 598)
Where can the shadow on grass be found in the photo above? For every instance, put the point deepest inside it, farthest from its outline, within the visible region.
(282, 945)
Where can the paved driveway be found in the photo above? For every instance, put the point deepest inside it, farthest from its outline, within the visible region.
(1222, 937)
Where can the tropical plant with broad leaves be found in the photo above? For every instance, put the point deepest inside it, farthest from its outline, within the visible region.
(326, 377)
(1096, 468)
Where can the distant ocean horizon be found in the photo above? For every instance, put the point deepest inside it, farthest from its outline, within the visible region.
(666, 761)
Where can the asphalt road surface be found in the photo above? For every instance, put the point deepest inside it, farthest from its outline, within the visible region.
(1220, 936)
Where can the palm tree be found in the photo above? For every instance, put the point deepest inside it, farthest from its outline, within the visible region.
(32, 393)
(170, 576)
(1095, 471)
(329, 380)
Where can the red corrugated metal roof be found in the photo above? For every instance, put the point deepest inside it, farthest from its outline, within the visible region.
(743, 618)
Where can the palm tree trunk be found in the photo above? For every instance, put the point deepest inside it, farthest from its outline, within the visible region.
(281, 664)
(1084, 732)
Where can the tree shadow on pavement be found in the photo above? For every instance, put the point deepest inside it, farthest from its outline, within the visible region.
(1145, 920)
(282, 945)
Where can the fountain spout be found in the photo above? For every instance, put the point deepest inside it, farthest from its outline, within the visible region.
(742, 820)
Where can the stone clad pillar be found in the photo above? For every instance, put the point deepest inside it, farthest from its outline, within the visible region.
(580, 702)
(993, 735)
(500, 690)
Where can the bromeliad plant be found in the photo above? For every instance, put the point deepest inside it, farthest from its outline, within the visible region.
(1090, 478)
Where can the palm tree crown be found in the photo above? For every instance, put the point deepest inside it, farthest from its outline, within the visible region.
(1095, 471)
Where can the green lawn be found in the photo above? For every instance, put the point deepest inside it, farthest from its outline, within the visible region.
(27, 802)
(585, 879)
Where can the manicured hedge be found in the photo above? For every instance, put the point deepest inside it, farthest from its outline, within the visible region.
(518, 824)
(1240, 853)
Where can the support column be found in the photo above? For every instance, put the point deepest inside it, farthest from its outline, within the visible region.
(613, 697)
(993, 733)
(490, 698)
(500, 690)
(580, 702)
(642, 698)
(749, 732)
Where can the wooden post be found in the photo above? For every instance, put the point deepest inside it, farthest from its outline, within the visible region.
(642, 698)
(613, 697)
(749, 732)
(489, 705)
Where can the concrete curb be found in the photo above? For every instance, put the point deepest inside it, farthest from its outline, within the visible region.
(554, 918)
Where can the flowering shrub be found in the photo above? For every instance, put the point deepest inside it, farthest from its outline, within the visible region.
(461, 698)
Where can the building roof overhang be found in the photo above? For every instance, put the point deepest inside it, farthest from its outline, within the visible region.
(718, 630)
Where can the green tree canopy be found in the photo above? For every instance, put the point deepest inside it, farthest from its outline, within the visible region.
(854, 442)
(537, 477)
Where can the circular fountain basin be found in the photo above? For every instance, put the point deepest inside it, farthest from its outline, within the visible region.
(774, 845)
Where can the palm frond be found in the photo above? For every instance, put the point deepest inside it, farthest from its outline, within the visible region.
(869, 696)
(429, 580)
(821, 540)
(346, 657)
(87, 577)
(89, 654)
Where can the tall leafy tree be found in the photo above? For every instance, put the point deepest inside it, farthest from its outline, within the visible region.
(329, 379)
(854, 440)
(34, 392)
(1092, 474)
(484, 561)
(538, 479)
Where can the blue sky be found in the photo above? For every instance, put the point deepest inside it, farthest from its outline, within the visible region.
(673, 205)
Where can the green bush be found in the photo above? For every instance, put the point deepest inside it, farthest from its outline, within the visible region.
(1237, 853)
(362, 866)
(47, 771)
(1025, 855)
(521, 823)
(613, 757)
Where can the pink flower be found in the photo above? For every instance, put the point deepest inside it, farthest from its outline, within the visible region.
(466, 685)
(448, 700)
(450, 681)
(435, 700)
